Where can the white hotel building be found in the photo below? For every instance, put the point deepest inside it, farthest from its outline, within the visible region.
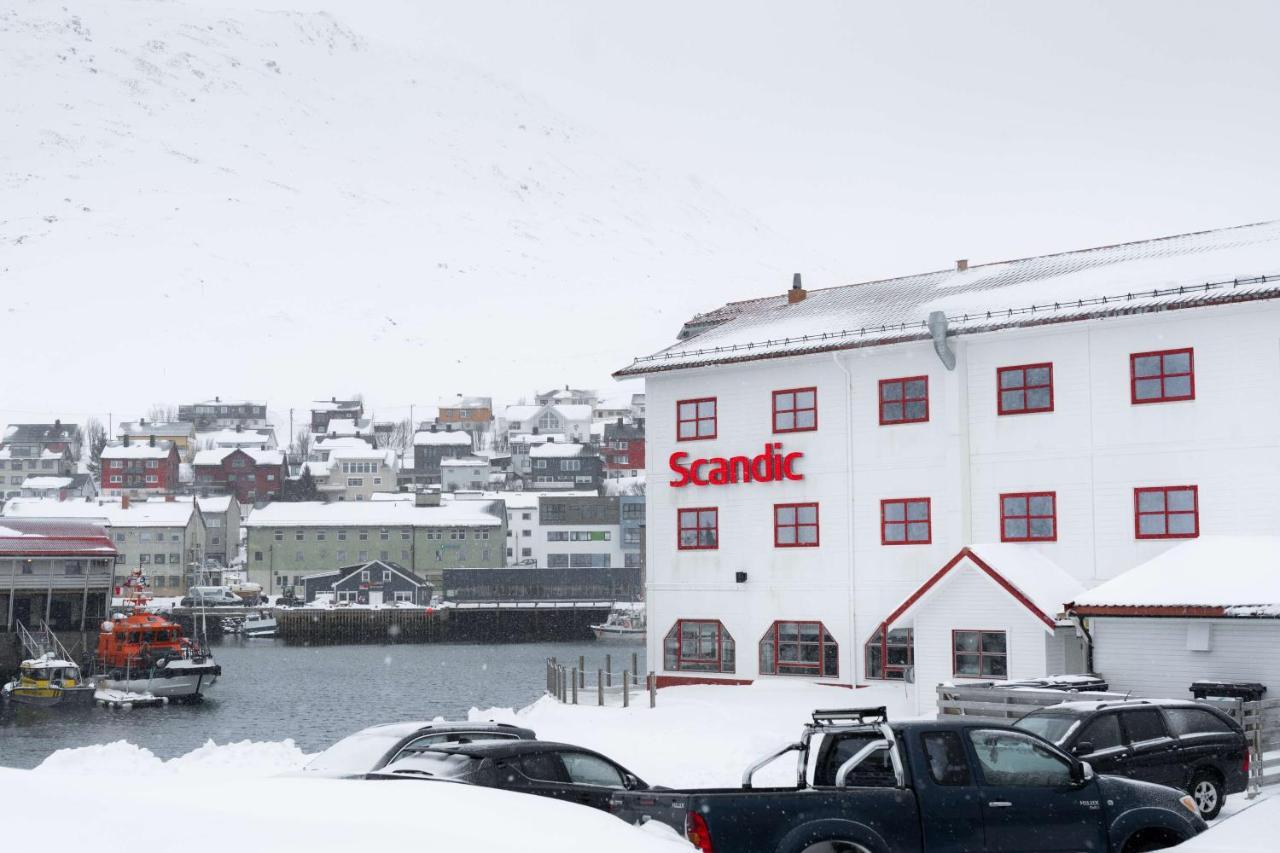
(1082, 412)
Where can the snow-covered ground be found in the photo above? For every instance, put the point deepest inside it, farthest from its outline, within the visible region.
(697, 736)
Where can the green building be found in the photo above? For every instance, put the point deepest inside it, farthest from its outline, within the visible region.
(289, 540)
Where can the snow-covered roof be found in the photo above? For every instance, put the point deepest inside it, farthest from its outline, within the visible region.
(37, 433)
(53, 537)
(345, 426)
(1028, 576)
(1208, 576)
(359, 451)
(214, 504)
(47, 482)
(235, 438)
(7, 453)
(556, 450)
(105, 511)
(464, 462)
(462, 401)
(426, 438)
(259, 457)
(1185, 271)
(137, 450)
(336, 405)
(380, 513)
(157, 428)
(520, 412)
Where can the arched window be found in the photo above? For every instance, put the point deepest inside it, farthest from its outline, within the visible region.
(698, 646)
(799, 648)
(890, 655)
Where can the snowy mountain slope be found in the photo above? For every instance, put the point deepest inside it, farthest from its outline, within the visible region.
(274, 204)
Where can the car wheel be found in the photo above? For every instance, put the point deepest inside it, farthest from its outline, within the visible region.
(1206, 790)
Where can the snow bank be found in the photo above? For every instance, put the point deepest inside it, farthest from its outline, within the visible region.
(699, 736)
(1250, 830)
(316, 815)
(244, 759)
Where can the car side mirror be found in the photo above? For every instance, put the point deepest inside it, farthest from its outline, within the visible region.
(1081, 773)
(630, 782)
(1084, 747)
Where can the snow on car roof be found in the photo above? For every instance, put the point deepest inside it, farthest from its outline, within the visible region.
(1183, 271)
(1223, 575)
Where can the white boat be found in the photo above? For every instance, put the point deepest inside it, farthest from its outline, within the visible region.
(260, 624)
(624, 623)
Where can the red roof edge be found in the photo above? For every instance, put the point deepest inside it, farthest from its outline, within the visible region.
(983, 566)
(1146, 610)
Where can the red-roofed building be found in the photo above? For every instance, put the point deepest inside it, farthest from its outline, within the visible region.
(55, 570)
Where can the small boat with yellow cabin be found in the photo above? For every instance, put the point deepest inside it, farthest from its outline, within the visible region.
(48, 680)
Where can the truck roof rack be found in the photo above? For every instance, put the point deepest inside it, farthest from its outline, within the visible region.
(853, 715)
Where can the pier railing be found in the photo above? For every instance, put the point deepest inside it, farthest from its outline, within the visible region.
(575, 684)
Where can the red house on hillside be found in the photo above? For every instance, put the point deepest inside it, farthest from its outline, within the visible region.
(130, 468)
(622, 449)
(253, 476)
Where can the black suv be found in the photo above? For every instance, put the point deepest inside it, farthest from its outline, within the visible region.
(1172, 742)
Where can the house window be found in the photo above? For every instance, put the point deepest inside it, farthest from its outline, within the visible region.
(1029, 517)
(384, 534)
(342, 535)
(363, 535)
(320, 535)
(795, 410)
(799, 648)
(698, 646)
(904, 401)
(300, 535)
(795, 525)
(979, 654)
(1159, 377)
(1167, 512)
(257, 556)
(1025, 388)
(279, 535)
(906, 521)
(699, 529)
(889, 655)
(404, 595)
(386, 575)
(696, 419)
(364, 576)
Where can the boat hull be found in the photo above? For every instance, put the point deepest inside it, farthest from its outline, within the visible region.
(173, 682)
(612, 632)
(44, 697)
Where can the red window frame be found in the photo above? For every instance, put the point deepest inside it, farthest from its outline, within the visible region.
(698, 664)
(880, 640)
(906, 502)
(797, 525)
(696, 420)
(773, 636)
(1028, 516)
(794, 410)
(903, 399)
(1001, 390)
(1164, 375)
(955, 670)
(696, 512)
(1138, 512)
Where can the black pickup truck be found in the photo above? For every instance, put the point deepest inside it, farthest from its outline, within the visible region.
(933, 787)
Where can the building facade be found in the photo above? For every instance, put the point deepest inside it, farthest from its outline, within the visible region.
(139, 469)
(289, 540)
(464, 473)
(56, 570)
(32, 440)
(349, 469)
(816, 458)
(253, 476)
(324, 411)
(578, 532)
(60, 487)
(622, 449)
(563, 465)
(372, 584)
(432, 445)
(219, 414)
(181, 434)
(568, 421)
(17, 467)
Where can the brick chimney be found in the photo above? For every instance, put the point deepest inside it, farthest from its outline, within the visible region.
(796, 293)
(124, 501)
(126, 439)
(962, 265)
(169, 499)
(152, 440)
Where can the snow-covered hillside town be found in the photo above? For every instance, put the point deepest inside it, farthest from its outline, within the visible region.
(837, 427)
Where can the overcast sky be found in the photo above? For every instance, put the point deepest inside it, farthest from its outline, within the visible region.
(870, 139)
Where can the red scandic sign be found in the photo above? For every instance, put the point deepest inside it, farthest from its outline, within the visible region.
(772, 465)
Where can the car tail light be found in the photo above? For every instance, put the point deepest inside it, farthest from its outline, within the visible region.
(695, 829)
(1246, 762)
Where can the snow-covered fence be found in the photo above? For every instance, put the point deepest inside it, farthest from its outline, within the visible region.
(571, 685)
(1261, 721)
(989, 701)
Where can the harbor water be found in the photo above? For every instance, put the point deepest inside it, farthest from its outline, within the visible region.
(270, 691)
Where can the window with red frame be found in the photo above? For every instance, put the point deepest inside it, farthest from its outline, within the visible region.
(795, 525)
(889, 655)
(699, 529)
(1029, 517)
(799, 648)
(1167, 512)
(1159, 377)
(906, 521)
(694, 645)
(696, 419)
(980, 654)
(1026, 388)
(904, 401)
(795, 410)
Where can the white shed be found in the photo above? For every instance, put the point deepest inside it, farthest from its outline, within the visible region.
(991, 613)
(1205, 610)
